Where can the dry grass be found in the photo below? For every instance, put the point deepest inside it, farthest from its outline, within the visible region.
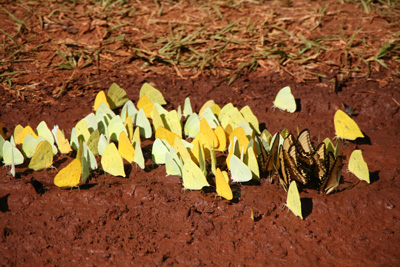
(308, 40)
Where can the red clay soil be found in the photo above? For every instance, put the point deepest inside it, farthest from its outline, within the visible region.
(147, 219)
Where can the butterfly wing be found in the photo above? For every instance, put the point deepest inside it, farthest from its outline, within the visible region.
(284, 175)
(273, 156)
(304, 143)
(263, 156)
(332, 179)
(292, 167)
(319, 161)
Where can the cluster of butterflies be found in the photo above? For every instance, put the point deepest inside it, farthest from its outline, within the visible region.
(200, 159)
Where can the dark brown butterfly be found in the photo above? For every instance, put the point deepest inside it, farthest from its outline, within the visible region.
(304, 141)
(319, 161)
(288, 142)
(266, 160)
(296, 169)
(283, 172)
(332, 178)
(305, 148)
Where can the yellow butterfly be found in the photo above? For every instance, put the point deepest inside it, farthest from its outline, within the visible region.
(112, 162)
(69, 176)
(25, 131)
(145, 104)
(346, 127)
(230, 115)
(43, 157)
(222, 184)
(125, 148)
(154, 95)
(100, 98)
(358, 166)
(250, 118)
(61, 141)
(293, 201)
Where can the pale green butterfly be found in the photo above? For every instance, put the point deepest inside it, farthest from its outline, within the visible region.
(87, 160)
(143, 123)
(93, 142)
(102, 144)
(193, 177)
(116, 96)
(179, 111)
(187, 107)
(44, 131)
(2, 140)
(192, 125)
(159, 149)
(173, 122)
(240, 172)
(91, 122)
(129, 109)
(29, 145)
(358, 166)
(74, 139)
(82, 129)
(251, 161)
(106, 111)
(102, 122)
(115, 127)
(12, 156)
(173, 164)
(284, 100)
(138, 158)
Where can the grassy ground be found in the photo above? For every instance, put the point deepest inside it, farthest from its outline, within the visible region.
(336, 40)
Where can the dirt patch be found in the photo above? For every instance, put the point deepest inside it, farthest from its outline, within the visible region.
(147, 218)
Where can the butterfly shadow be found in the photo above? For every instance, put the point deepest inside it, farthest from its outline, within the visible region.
(237, 193)
(374, 176)
(58, 162)
(4, 203)
(298, 105)
(363, 141)
(39, 187)
(87, 186)
(307, 206)
(128, 169)
(262, 127)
